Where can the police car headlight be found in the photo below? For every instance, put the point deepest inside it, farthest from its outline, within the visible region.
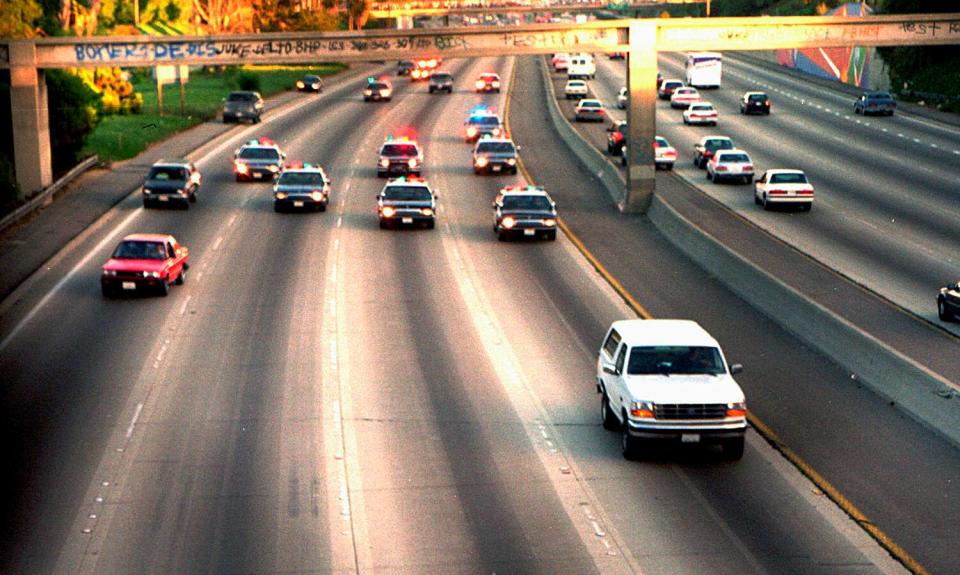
(388, 212)
(368, 92)
(508, 222)
(412, 162)
(147, 191)
(281, 195)
(549, 222)
(511, 161)
(241, 167)
(274, 169)
(384, 162)
(182, 192)
(480, 84)
(496, 84)
(496, 131)
(482, 161)
(426, 211)
(315, 86)
(316, 196)
(299, 84)
(384, 93)
(471, 131)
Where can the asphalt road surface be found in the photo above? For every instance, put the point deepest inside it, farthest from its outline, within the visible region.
(325, 396)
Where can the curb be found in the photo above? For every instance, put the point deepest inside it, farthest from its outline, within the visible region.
(919, 392)
(46, 196)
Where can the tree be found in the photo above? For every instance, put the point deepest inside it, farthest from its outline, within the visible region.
(18, 18)
(74, 113)
(218, 16)
(358, 12)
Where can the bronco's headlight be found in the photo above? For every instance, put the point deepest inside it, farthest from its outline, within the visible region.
(508, 222)
(642, 409)
(281, 195)
(511, 161)
(274, 169)
(241, 168)
(388, 211)
(316, 196)
(737, 409)
(550, 222)
(426, 211)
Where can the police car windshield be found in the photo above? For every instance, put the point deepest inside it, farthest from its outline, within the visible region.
(140, 251)
(167, 173)
(260, 154)
(485, 120)
(758, 97)
(241, 97)
(538, 203)
(399, 150)
(719, 145)
(407, 193)
(495, 147)
(300, 179)
(683, 360)
(788, 179)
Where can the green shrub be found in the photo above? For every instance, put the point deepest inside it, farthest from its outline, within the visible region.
(247, 80)
(74, 113)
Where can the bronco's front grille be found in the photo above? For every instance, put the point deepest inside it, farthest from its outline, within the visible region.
(690, 411)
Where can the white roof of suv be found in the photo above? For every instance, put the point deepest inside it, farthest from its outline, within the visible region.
(647, 332)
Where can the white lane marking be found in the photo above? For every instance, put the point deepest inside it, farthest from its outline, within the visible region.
(133, 422)
(957, 152)
(73, 271)
(934, 146)
(216, 243)
(233, 219)
(186, 301)
(916, 140)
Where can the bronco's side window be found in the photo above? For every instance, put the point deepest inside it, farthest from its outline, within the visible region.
(611, 343)
(621, 359)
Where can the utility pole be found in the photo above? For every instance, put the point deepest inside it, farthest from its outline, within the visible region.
(136, 13)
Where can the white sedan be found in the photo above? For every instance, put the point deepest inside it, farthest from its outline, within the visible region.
(575, 89)
(665, 155)
(683, 97)
(783, 187)
(701, 113)
(730, 165)
(590, 111)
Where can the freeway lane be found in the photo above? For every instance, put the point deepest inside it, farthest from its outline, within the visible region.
(821, 415)
(325, 396)
(887, 208)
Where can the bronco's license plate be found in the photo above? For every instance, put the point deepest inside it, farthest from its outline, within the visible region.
(690, 438)
(129, 285)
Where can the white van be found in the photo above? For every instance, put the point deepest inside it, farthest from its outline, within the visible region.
(704, 69)
(581, 66)
(666, 379)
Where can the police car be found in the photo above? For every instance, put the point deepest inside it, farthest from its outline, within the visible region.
(407, 201)
(399, 156)
(483, 122)
(301, 186)
(258, 159)
(524, 211)
(377, 90)
(494, 155)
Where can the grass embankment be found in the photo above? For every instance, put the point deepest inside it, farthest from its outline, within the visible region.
(120, 137)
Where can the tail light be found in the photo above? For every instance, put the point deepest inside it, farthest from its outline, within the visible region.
(721, 168)
(804, 192)
(777, 192)
(748, 168)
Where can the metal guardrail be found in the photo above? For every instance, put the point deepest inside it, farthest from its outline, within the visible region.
(46, 195)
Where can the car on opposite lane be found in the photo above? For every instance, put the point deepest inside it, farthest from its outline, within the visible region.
(623, 97)
(258, 159)
(144, 263)
(399, 156)
(783, 187)
(310, 83)
(495, 155)
(560, 62)
(524, 211)
(683, 97)
(948, 302)
(377, 90)
(404, 67)
(730, 165)
(441, 82)
(701, 113)
(407, 201)
(576, 89)
(301, 186)
(665, 155)
(877, 103)
(483, 122)
(175, 181)
(755, 103)
(707, 146)
(242, 105)
(488, 82)
(589, 110)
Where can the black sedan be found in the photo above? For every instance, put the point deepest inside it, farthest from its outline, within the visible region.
(948, 302)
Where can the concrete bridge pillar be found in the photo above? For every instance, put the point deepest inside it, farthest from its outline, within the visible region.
(30, 118)
(641, 117)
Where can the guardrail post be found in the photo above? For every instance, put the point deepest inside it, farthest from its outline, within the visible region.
(641, 117)
(30, 119)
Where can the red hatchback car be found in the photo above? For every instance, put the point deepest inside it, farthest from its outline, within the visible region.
(145, 263)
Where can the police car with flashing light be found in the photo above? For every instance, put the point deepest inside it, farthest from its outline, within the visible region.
(407, 201)
(494, 155)
(524, 211)
(483, 122)
(301, 186)
(258, 159)
(377, 90)
(399, 156)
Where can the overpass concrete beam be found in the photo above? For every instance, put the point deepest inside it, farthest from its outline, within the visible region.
(30, 119)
